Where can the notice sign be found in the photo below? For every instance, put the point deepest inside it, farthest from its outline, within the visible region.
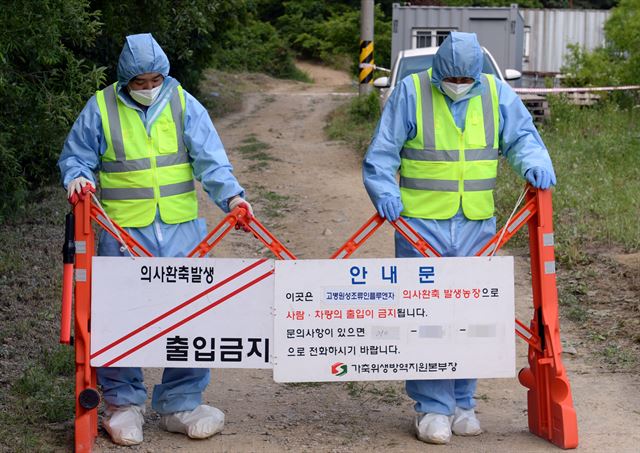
(394, 319)
(182, 312)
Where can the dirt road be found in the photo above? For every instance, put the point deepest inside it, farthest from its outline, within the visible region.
(308, 192)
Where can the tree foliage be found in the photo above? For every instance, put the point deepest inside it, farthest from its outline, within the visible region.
(615, 64)
(258, 48)
(43, 85)
(329, 31)
(55, 53)
(623, 33)
(190, 32)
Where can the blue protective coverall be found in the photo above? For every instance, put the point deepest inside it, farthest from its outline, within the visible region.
(181, 388)
(519, 143)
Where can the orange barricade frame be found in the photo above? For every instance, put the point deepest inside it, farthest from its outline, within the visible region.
(550, 407)
(87, 395)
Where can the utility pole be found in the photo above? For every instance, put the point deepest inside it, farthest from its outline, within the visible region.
(366, 47)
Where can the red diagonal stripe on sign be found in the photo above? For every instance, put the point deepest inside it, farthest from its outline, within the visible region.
(188, 318)
(179, 307)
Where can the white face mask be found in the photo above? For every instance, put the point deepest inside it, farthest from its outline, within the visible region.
(145, 97)
(456, 90)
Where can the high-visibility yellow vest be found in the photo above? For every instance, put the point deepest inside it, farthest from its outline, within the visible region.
(142, 172)
(442, 166)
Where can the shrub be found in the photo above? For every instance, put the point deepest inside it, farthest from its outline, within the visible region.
(615, 64)
(43, 85)
(258, 48)
(189, 32)
(329, 32)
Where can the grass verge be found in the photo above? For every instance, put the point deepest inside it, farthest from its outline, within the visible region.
(355, 121)
(597, 163)
(36, 398)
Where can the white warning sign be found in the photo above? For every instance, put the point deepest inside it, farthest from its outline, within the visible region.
(182, 312)
(389, 319)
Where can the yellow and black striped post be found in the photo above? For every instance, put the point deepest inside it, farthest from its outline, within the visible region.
(366, 47)
(366, 57)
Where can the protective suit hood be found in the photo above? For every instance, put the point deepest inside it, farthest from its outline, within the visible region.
(141, 54)
(460, 55)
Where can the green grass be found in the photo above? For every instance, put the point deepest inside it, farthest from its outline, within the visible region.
(597, 157)
(300, 75)
(256, 151)
(572, 303)
(37, 396)
(273, 203)
(45, 388)
(305, 384)
(614, 354)
(382, 392)
(355, 121)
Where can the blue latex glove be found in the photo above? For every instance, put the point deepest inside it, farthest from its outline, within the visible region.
(540, 178)
(389, 208)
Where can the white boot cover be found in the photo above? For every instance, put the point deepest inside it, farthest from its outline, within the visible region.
(433, 428)
(124, 424)
(200, 423)
(465, 423)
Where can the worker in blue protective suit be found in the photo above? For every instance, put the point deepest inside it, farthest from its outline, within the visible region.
(445, 189)
(148, 139)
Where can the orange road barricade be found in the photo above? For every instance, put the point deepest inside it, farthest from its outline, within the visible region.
(550, 406)
(78, 251)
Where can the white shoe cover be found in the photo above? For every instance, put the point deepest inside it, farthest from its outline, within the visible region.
(465, 423)
(200, 423)
(124, 423)
(433, 428)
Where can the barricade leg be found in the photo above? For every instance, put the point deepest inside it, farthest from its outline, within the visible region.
(550, 405)
(87, 398)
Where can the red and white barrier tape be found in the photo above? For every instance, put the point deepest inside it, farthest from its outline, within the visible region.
(573, 90)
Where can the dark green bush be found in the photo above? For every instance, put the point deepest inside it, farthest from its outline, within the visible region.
(365, 108)
(330, 31)
(189, 32)
(256, 46)
(615, 64)
(43, 86)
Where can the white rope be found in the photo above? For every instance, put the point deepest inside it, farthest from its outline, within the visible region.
(113, 228)
(506, 225)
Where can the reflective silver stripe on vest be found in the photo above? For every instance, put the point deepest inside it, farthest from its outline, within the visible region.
(172, 159)
(473, 185)
(452, 155)
(487, 112)
(430, 155)
(121, 164)
(428, 118)
(127, 165)
(428, 121)
(127, 194)
(176, 113)
(115, 128)
(438, 185)
(177, 188)
(481, 154)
